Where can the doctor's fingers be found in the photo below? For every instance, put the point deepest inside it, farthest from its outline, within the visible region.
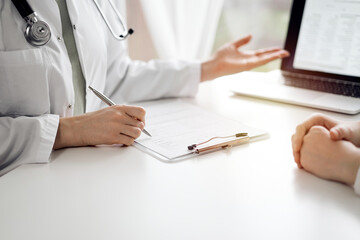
(124, 139)
(130, 121)
(241, 42)
(132, 132)
(268, 57)
(256, 61)
(262, 51)
(135, 112)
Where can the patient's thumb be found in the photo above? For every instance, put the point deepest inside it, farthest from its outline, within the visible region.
(340, 132)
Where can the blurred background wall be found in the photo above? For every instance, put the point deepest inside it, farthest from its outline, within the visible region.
(266, 20)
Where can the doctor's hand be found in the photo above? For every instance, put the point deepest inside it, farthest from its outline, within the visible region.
(229, 59)
(329, 159)
(117, 124)
(339, 130)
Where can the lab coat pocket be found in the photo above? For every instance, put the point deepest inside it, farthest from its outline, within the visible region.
(24, 82)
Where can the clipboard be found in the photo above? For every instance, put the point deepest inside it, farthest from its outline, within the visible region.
(175, 125)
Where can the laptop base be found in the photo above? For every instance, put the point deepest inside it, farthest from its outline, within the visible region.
(271, 86)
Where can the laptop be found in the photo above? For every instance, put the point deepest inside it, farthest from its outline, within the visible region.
(323, 70)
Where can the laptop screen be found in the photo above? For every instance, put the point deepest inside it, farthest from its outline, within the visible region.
(324, 39)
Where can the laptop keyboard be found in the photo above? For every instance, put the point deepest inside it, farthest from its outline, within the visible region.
(324, 85)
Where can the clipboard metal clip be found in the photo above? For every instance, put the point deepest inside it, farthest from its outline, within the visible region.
(239, 139)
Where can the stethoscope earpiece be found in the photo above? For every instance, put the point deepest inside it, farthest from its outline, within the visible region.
(129, 32)
(126, 32)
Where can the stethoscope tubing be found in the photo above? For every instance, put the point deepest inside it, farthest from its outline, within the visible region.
(23, 8)
(38, 33)
(122, 22)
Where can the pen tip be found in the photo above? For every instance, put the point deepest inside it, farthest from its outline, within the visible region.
(146, 132)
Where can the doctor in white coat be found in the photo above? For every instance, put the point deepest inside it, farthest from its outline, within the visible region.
(45, 103)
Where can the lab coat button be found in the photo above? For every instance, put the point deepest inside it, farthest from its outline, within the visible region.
(74, 26)
(69, 106)
(59, 38)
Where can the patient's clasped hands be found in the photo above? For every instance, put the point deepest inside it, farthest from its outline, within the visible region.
(328, 148)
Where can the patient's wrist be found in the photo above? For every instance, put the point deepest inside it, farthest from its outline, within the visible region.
(351, 167)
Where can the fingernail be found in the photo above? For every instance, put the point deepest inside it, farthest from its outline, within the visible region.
(284, 54)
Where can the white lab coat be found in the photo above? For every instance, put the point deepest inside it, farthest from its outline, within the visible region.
(36, 85)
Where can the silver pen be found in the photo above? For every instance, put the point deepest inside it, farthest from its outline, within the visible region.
(109, 102)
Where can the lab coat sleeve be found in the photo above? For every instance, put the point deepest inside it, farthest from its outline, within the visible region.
(26, 140)
(154, 79)
(357, 183)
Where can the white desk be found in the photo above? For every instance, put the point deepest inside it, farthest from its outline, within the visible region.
(252, 191)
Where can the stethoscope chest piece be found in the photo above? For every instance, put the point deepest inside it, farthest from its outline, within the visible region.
(37, 33)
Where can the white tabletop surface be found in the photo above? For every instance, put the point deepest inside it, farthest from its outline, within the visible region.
(253, 191)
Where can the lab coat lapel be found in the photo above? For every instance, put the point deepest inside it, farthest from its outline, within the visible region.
(90, 39)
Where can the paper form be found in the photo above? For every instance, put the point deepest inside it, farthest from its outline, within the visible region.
(174, 125)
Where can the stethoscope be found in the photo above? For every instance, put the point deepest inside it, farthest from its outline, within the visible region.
(37, 33)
